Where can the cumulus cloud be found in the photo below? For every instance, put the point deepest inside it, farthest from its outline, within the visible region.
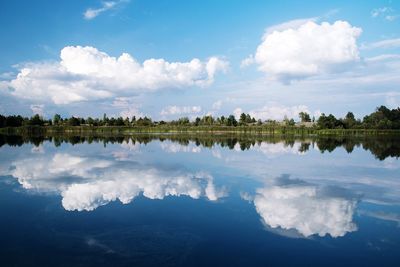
(86, 183)
(129, 107)
(247, 61)
(176, 110)
(171, 147)
(91, 13)
(217, 105)
(85, 73)
(307, 49)
(39, 173)
(307, 208)
(152, 183)
(38, 149)
(272, 150)
(393, 100)
(130, 112)
(37, 109)
(274, 111)
(291, 24)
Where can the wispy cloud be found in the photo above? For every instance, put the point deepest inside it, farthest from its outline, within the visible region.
(176, 110)
(386, 13)
(388, 43)
(91, 13)
(274, 111)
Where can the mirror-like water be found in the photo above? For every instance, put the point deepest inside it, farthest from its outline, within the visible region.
(199, 201)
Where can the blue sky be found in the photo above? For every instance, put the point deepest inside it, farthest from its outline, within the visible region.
(269, 59)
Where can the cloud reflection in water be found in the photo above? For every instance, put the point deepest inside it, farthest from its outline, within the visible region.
(309, 209)
(86, 183)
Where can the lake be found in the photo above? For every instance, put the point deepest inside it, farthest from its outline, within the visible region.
(176, 200)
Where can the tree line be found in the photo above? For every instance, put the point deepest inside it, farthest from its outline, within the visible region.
(381, 118)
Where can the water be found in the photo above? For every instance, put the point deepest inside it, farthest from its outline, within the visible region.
(186, 201)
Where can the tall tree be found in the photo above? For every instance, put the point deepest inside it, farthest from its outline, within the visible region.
(304, 116)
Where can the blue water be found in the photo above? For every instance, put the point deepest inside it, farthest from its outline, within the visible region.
(184, 202)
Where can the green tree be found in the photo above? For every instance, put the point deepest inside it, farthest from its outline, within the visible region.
(242, 119)
(56, 119)
(36, 120)
(74, 121)
(90, 121)
(304, 116)
(197, 121)
(183, 121)
(231, 121)
(349, 120)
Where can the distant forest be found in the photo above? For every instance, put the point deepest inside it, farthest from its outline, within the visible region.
(381, 118)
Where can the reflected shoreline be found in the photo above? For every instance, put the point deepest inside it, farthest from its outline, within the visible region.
(381, 147)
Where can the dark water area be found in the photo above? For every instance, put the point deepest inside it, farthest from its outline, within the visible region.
(176, 200)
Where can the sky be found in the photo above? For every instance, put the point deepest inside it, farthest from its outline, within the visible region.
(169, 59)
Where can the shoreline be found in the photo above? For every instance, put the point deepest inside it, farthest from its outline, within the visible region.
(192, 130)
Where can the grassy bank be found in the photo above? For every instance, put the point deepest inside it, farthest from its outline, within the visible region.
(129, 130)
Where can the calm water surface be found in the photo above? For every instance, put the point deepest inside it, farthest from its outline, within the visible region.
(176, 201)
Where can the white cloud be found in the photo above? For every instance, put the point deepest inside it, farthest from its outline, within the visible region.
(307, 208)
(393, 100)
(247, 61)
(388, 43)
(91, 13)
(37, 109)
(85, 73)
(308, 49)
(131, 146)
(386, 13)
(272, 150)
(128, 106)
(6, 75)
(176, 110)
(236, 112)
(130, 112)
(274, 111)
(379, 11)
(291, 24)
(39, 173)
(126, 185)
(171, 147)
(95, 182)
(38, 149)
(216, 153)
(386, 216)
(392, 17)
(217, 105)
(383, 57)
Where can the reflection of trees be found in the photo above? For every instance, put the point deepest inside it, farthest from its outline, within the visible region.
(331, 143)
(304, 147)
(386, 147)
(380, 146)
(17, 140)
